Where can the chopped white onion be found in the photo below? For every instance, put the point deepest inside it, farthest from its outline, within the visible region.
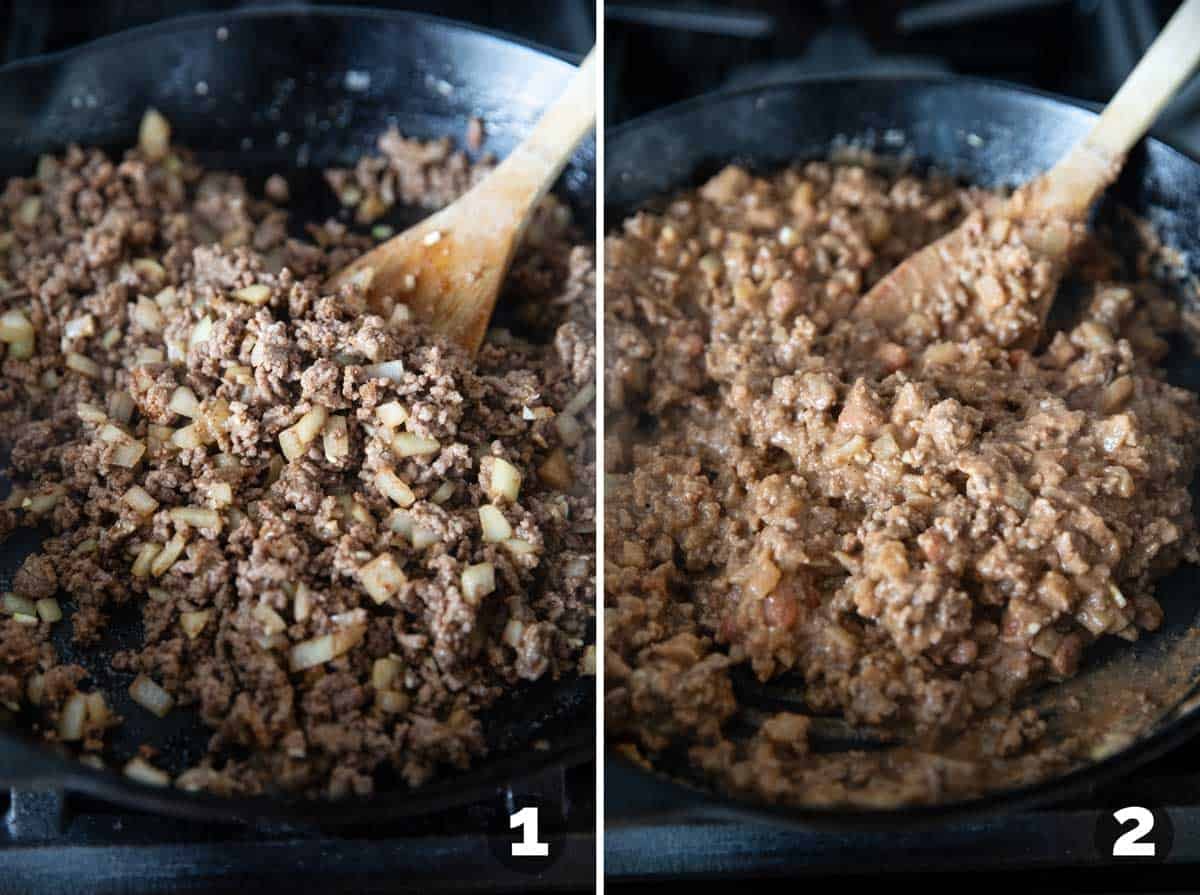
(151, 696)
(505, 480)
(406, 444)
(495, 527)
(478, 581)
(382, 578)
(143, 772)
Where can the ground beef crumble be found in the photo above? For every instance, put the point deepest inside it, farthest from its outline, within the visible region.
(908, 532)
(345, 536)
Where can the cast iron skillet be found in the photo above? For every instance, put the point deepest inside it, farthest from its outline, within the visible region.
(987, 133)
(294, 91)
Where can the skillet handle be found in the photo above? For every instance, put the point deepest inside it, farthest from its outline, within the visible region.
(22, 764)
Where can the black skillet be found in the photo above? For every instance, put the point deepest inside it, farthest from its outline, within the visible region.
(986, 133)
(294, 91)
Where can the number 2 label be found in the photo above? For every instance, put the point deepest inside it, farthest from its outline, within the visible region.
(1129, 844)
(529, 846)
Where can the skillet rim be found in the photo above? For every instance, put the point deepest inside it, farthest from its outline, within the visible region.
(1062, 788)
(38, 765)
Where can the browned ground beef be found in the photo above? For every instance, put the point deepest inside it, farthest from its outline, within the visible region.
(286, 485)
(910, 533)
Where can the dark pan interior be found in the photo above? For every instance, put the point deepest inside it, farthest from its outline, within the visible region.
(235, 90)
(985, 133)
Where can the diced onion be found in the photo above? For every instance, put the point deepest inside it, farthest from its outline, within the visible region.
(148, 315)
(519, 547)
(143, 772)
(257, 294)
(15, 327)
(505, 480)
(400, 521)
(22, 349)
(391, 701)
(90, 413)
(200, 332)
(406, 444)
(188, 437)
(311, 653)
(97, 708)
(513, 633)
(170, 552)
(336, 439)
(193, 623)
(295, 440)
(319, 650)
(423, 537)
(384, 673)
(29, 209)
(302, 603)
(121, 406)
(127, 454)
(220, 494)
(197, 517)
(35, 689)
(43, 502)
(381, 578)
(70, 722)
(392, 370)
(151, 696)
(154, 135)
(271, 621)
(392, 414)
(145, 557)
(443, 493)
(112, 434)
(15, 605)
(495, 526)
(394, 488)
(183, 401)
(478, 581)
(48, 610)
(84, 365)
(78, 328)
(139, 500)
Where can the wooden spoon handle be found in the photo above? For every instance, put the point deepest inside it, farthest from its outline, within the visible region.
(531, 168)
(1071, 186)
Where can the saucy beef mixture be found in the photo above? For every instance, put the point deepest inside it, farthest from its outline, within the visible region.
(900, 537)
(344, 536)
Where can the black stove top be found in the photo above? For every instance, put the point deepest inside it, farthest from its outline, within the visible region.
(663, 51)
(54, 842)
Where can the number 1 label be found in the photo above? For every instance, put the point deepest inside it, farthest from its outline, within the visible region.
(529, 846)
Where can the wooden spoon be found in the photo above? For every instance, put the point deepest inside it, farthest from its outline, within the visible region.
(448, 269)
(997, 272)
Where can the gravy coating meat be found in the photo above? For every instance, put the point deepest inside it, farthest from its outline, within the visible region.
(344, 538)
(909, 532)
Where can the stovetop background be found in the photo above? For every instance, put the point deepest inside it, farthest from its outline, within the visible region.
(663, 51)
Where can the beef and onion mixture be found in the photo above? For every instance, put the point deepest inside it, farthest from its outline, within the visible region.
(344, 536)
(819, 536)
